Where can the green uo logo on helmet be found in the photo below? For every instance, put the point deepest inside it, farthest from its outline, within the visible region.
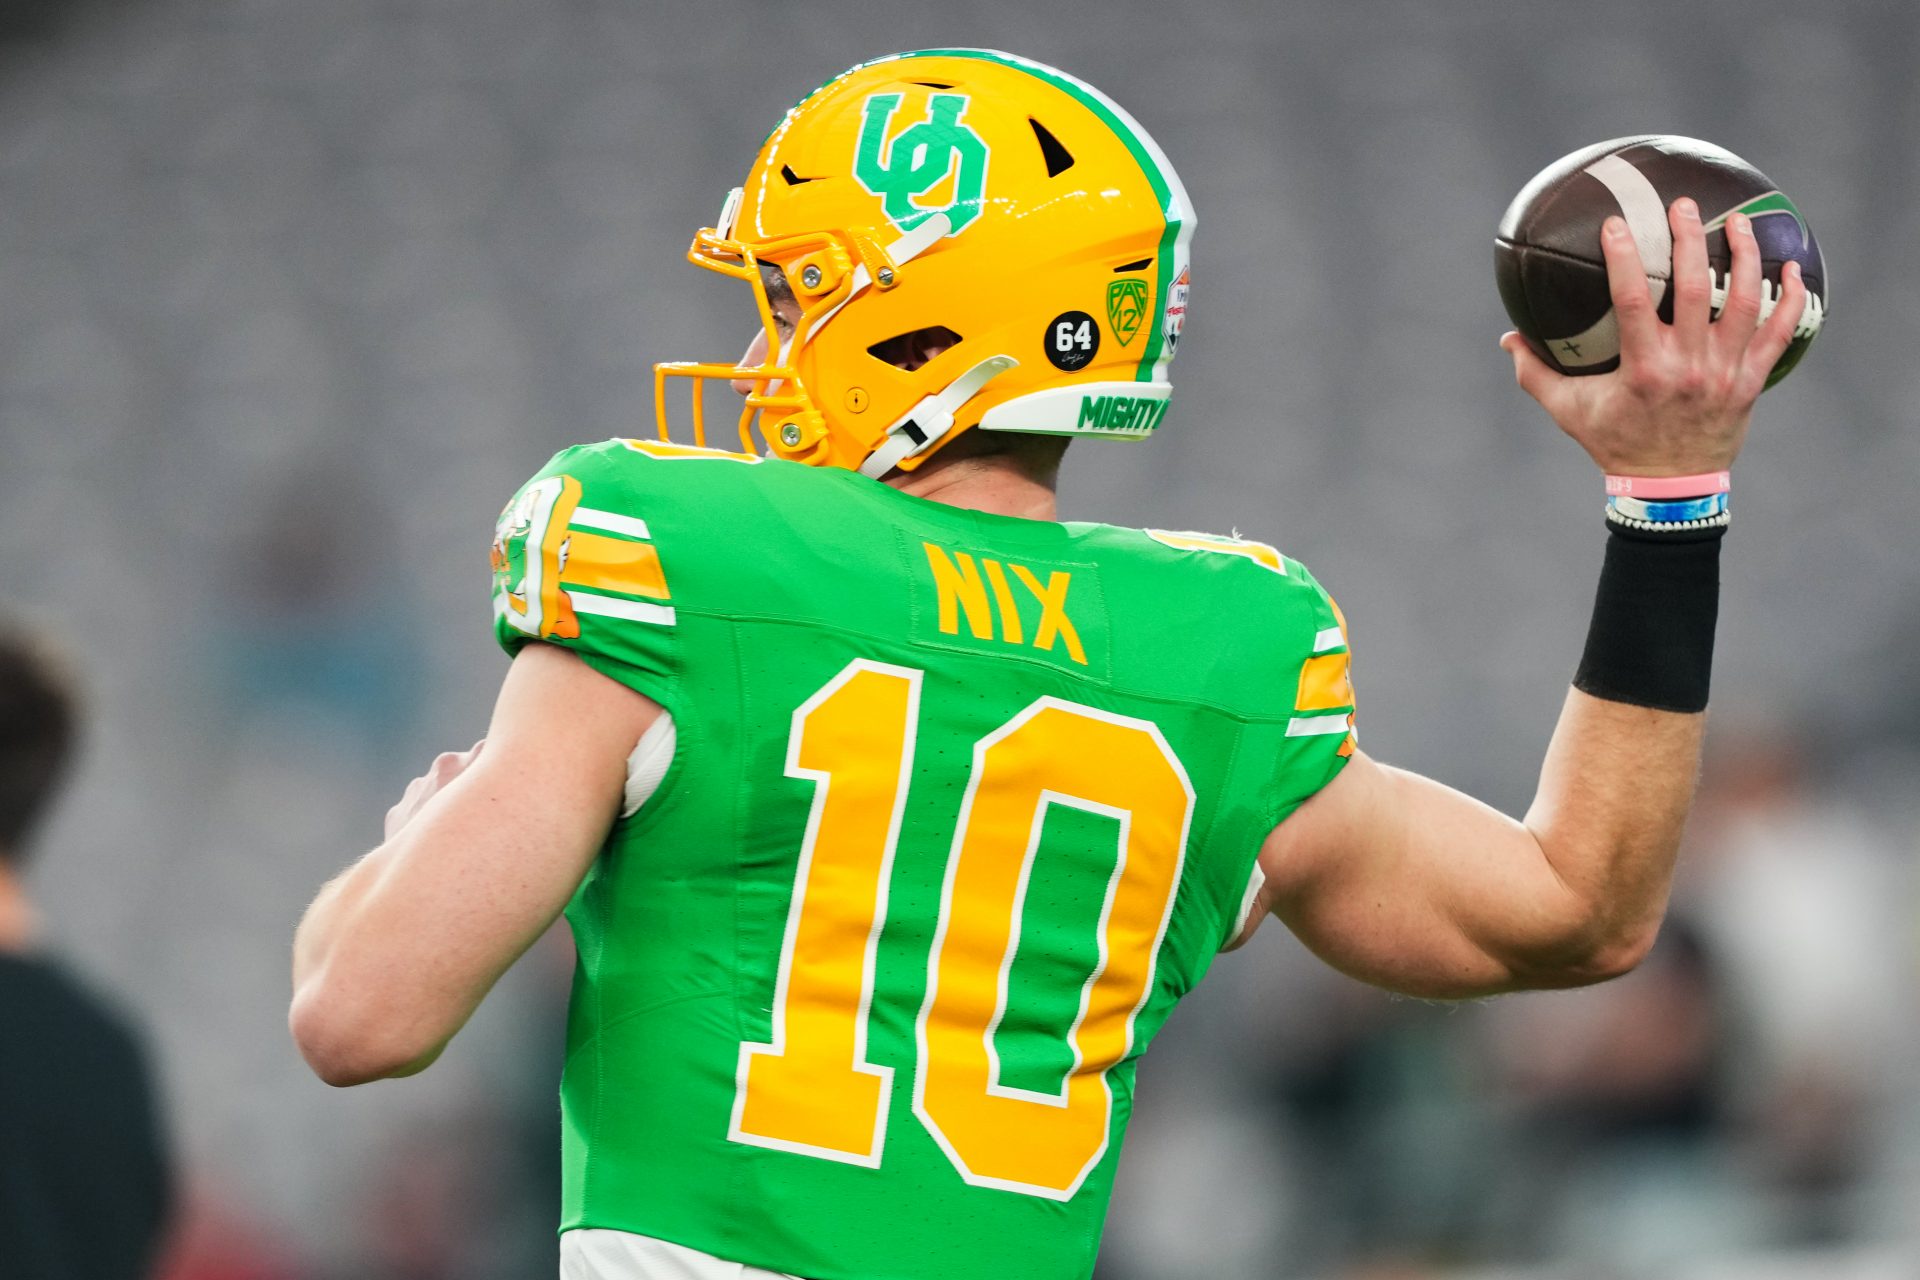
(920, 158)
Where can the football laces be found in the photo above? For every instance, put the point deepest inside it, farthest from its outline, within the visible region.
(1812, 316)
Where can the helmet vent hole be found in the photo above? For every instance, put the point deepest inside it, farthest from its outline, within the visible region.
(932, 84)
(793, 179)
(1141, 265)
(914, 348)
(1058, 158)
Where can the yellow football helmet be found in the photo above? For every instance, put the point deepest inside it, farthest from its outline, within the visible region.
(1015, 207)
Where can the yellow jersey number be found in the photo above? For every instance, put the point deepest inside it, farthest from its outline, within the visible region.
(810, 1089)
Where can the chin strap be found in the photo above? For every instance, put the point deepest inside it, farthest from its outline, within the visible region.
(928, 422)
(910, 245)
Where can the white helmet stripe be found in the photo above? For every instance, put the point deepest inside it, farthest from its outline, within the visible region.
(729, 213)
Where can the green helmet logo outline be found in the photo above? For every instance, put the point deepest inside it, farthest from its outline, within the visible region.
(920, 158)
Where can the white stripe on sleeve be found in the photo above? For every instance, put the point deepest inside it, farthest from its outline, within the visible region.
(613, 607)
(1314, 726)
(612, 522)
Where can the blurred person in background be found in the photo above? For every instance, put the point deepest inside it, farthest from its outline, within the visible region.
(1810, 908)
(84, 1177)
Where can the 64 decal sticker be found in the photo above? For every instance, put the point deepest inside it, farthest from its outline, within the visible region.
(1126, 307)
(1071, 341)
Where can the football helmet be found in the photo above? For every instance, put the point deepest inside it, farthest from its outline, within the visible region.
(1018, 209)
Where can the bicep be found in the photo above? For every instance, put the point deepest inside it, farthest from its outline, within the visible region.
(1406, 883)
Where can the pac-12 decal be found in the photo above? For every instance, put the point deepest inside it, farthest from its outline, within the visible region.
(1127, 307)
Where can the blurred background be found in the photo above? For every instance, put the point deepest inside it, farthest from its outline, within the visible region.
(293, 296)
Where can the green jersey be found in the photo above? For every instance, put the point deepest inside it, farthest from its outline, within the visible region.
(960, 806)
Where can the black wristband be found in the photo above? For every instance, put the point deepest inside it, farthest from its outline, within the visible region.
(1651, 640)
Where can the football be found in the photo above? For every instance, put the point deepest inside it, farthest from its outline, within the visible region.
(1553, 278)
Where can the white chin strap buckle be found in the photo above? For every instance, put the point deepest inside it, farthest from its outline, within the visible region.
(928, 422)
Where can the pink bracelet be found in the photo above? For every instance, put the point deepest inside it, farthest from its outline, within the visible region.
(1658, 488)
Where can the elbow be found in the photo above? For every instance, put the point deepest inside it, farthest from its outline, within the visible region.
(346, 1041)
(1594, 952)
(1615, 955)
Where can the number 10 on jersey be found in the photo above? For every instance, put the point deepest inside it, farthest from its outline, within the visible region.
(811, 1088)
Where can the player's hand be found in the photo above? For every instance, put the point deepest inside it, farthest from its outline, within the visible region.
(1681, 399)
(446, 766)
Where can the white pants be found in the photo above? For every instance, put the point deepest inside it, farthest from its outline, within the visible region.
(593, 1254)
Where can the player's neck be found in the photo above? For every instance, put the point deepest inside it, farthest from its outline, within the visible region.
(995, 484)
(19, 923)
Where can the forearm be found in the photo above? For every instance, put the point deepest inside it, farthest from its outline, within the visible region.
(356, 938)
(330, 914)
(1619, 775)
(363, 1004)
(396, 953)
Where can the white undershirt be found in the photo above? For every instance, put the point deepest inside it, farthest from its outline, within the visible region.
(592, 1253)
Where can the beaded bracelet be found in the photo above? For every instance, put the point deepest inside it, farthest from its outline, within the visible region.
(1620, 519)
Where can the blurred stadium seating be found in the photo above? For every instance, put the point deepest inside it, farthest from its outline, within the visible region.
(292, 295)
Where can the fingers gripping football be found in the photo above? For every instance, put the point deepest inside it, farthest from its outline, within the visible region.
(1692, 279)
(1681, 399)
(1741, 314)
